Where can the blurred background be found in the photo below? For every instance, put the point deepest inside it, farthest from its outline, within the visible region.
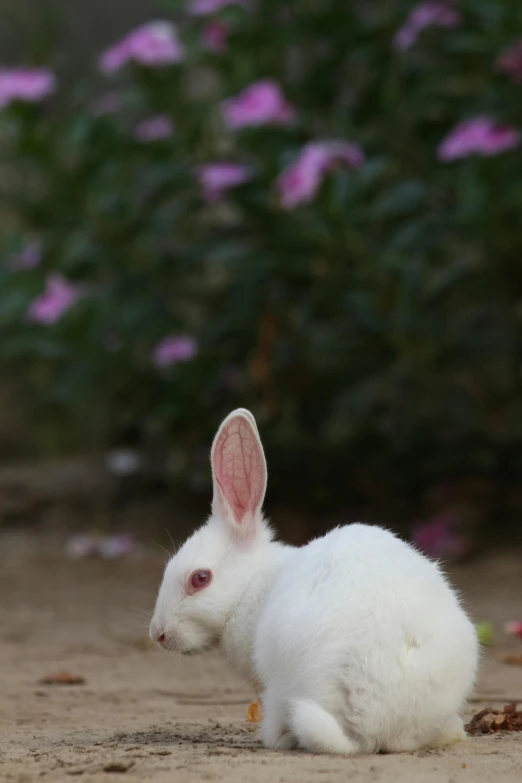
(310, 209)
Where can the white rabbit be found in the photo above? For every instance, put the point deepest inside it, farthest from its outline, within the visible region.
(358, 642)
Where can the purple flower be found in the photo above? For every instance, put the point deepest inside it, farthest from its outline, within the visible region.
(108, 103)
(108, 547)
(215, 35)
(28, 258)
(59, 296)
(301, 180)
(217, 178)
(25, 84)
(440, 537)
(173, 349)
(478, 136)
(153, 44)
(262, 103)
(155, 128)
(209, 7)
(510, 61)
(116, 546)
(431, 13)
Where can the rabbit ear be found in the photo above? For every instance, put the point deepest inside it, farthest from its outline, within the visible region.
(244, 412)
(239, 473)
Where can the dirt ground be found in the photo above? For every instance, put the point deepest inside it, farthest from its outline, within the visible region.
(145, 716)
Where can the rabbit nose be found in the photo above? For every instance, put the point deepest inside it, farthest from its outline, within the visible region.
(157, 634)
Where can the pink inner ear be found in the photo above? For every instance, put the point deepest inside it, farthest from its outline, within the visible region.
(239, 467)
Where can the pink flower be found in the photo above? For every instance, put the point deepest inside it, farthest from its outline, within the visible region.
(25, 84)
(209, 7)
(301, 180)
(108, 103)
(262, 103)
(153, 44)
(510, 61)
(217, 178)
(478, 136)
(158, 127)
(59, 296)
(431, 13)
(173, 349)
(215, 35)
(440, 537)
(513, 628)
(28, 258)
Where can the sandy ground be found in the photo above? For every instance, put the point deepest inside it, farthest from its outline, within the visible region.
(145, 716)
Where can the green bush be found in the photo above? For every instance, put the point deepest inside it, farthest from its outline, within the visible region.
(365, 304)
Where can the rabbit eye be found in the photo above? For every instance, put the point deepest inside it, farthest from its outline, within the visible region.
(199, 579)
